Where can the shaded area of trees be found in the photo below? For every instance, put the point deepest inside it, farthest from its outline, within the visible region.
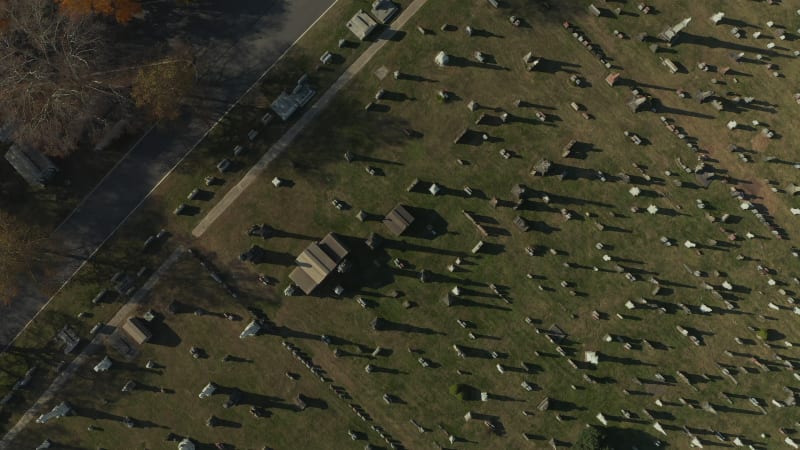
(592, 438)
(20, 249)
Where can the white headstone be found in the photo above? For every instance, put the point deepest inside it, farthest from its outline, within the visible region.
(186, 444)
(442, 59)
(103, 365)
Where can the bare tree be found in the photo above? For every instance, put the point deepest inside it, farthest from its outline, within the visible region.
(47, 89)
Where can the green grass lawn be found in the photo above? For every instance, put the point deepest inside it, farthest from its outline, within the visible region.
(566, 252)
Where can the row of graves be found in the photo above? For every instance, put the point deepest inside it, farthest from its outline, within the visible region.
(728, 296)
(724, 294)
(731, 101)
(668, 389)
(137, 331)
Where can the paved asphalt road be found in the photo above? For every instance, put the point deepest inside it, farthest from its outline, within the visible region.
(240, 39)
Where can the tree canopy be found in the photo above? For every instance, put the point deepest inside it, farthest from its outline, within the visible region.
(123, 11)
(48, 91)
(591, 438)
(159, 88)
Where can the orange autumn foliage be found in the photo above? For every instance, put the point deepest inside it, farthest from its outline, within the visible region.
(122, 10)
(3, 20)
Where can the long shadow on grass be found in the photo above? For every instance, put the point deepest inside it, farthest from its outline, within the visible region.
(564, 406)
(626, 361)
(473, 304)
(344, 126)
(628, 437)
(287, 332)
(682, 112)
(388, 370)
(163, 334)
(474, 352)
(446, 279)
(96, 414)
(389, 325)
(458, 61)
(409, 247)
(712, 42)
(553, 66)
(265, 401)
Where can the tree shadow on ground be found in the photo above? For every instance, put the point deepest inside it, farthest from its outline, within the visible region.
(163, 334)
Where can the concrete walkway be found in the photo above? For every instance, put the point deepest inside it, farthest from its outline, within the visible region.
(96, 345)
(285, 141)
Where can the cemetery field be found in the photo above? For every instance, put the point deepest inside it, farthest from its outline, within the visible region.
(642, 254)
(178, 373)
(123, 251)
